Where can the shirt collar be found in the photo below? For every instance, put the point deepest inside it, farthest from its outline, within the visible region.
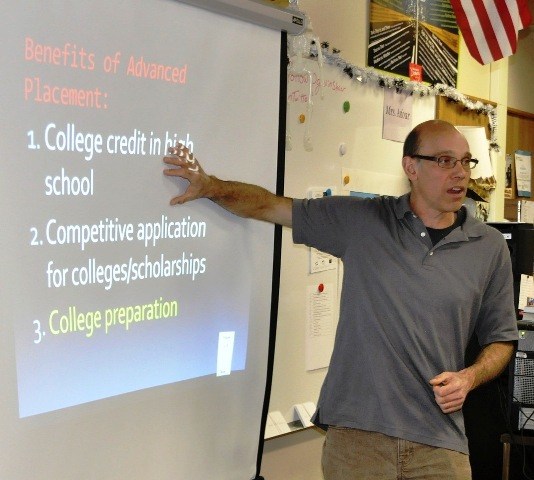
(472, 227)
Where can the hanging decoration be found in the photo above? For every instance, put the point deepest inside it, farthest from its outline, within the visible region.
(417, 39)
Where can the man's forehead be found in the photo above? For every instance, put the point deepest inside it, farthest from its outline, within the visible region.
(446, 140)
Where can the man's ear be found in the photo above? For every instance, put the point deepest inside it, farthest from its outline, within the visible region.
(409, 166)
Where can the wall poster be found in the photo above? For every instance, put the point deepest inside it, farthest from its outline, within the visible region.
(414, 38)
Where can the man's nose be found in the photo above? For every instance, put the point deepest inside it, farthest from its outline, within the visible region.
(459, 171)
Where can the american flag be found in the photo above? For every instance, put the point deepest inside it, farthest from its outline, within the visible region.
(490, 27)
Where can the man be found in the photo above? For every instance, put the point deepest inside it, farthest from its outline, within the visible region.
(420, 277)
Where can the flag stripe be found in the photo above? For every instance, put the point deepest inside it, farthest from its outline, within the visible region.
(503, 27)
(464, 26)
(487, 34)
(523, 15)
(515, 14)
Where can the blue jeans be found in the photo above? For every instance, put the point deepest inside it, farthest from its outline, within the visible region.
(350, 454)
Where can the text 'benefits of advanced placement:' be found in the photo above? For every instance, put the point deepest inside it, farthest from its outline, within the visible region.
(39, 89)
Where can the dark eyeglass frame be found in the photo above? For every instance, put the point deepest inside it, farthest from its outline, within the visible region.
(467, 163)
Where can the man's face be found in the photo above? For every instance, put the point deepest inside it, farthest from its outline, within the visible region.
(438, 190)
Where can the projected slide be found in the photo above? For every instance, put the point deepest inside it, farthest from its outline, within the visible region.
(110, 290)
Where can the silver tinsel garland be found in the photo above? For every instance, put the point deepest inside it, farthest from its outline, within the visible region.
(364, 75)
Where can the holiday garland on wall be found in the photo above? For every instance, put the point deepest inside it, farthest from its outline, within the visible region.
(364, 75)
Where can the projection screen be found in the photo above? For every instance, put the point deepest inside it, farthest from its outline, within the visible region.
(134, 335)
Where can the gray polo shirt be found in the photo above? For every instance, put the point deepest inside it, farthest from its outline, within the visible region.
(408, 310)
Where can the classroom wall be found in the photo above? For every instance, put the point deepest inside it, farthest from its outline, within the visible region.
(344, 24)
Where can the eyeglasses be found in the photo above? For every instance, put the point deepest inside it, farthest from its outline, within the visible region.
(445, 161)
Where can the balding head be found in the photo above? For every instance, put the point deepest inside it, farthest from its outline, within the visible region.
(430, 128)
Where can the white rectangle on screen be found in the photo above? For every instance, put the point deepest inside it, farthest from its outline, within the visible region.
(225, 353)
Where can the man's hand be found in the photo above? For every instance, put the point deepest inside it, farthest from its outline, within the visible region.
(182, 163)
(451, 389)
(242, 199)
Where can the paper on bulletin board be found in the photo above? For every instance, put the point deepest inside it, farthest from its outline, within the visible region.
(523, 167)
(320, 261)
(397, 114)
(320, 329)
(356, 180)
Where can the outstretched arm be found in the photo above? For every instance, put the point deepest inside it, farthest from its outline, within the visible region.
(451, 388)
(242, 199)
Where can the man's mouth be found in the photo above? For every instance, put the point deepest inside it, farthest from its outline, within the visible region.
(456, 190)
